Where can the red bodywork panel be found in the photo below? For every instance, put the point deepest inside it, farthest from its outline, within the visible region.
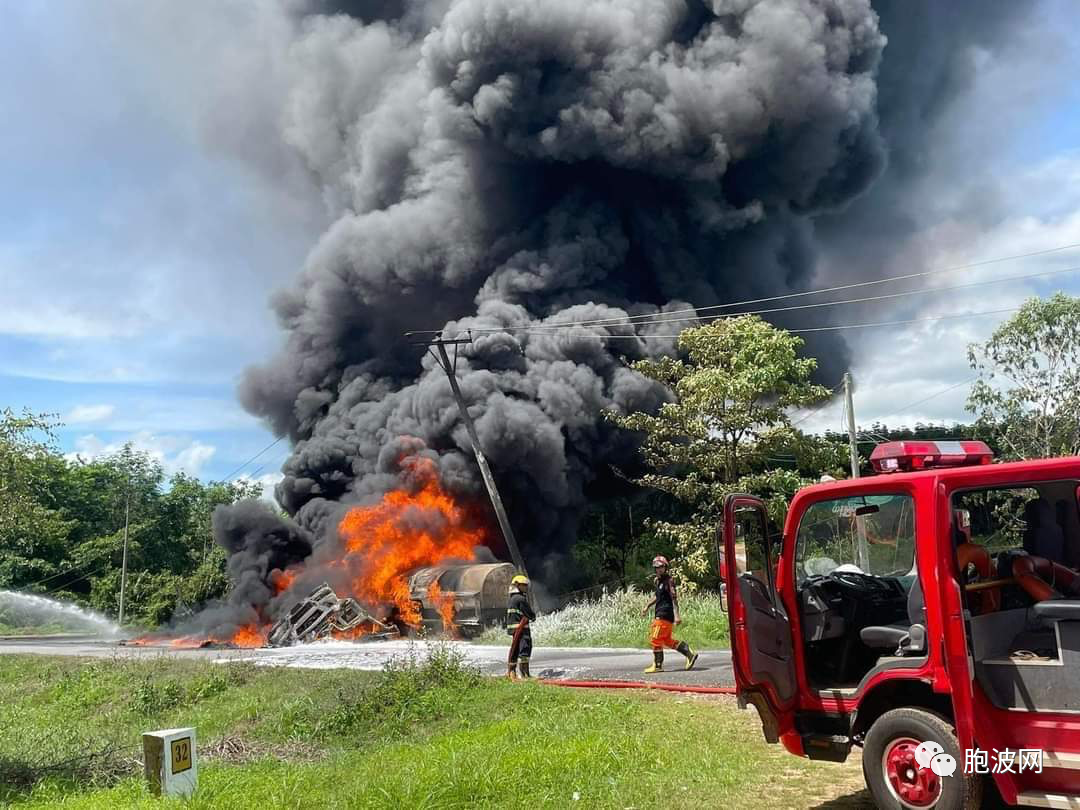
(947, 667)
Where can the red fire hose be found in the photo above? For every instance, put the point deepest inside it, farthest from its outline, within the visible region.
(666, 687)
(516, 640)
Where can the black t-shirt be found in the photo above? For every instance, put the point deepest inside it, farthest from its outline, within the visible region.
(665, 598)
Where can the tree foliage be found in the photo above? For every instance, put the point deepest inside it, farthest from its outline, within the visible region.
(62, 522)
(727, 429)
(1028, 391)
(617, 540)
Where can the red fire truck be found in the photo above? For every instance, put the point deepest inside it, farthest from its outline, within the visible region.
(936, 602)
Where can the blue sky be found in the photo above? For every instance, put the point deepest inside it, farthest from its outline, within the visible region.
(141, 236)
(136, 259)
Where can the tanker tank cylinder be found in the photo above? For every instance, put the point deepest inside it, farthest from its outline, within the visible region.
(478, 592)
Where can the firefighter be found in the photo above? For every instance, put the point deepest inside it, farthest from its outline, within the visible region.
(666, 616)
(518, 615)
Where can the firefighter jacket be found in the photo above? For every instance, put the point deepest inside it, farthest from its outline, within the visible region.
(517, 607)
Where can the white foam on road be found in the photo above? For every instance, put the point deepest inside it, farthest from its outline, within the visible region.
(375, 655)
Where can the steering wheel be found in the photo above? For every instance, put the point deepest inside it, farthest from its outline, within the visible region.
(862, 583)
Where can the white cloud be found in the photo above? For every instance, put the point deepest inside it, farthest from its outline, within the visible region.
(267, 482)
(175, 454)
(83, 414)
(919, 372)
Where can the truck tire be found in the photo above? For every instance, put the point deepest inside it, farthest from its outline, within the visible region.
(894, 777)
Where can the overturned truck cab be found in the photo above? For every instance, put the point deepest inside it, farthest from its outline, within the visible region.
(323, 615)
(461, 599)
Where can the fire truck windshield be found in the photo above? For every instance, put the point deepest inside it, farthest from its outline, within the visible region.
(864, 534)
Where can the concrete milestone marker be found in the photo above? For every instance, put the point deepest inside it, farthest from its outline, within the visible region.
(171, 766)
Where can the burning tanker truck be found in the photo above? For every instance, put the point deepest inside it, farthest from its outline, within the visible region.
(416, 560)
(460, 600)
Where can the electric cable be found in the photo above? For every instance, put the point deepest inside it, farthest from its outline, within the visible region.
(836, 327)
(927, 399)
(653, 318)
(659, 318)
(238, 469)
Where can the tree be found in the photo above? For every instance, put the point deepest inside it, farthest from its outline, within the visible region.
(727, 429)
(879, 433)
(32, 531)
(615, 540)
(61, 525)
(1028, 391)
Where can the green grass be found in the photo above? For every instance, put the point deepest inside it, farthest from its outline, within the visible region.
(426, 734)
(615, 620)
(39, 629)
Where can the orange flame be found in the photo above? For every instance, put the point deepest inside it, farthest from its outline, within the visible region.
(444, 603)
(281, 581)
(404, 531)
(250, 636)
(353, 634)
(384, 542)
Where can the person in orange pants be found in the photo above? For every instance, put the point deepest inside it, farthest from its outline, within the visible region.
(665, 617)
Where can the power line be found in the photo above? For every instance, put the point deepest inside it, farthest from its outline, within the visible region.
(820, 407)
(80, 579)
(902, 323)
(238, 469)
(659, 317)
(816, 328)
(926, 399)
(54, 576)
(57, 589)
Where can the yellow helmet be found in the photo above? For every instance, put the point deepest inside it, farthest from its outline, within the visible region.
(519, 579)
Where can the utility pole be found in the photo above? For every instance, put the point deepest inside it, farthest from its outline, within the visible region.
(852, 438)
(123, 565)
(443, 359)
(853, 446)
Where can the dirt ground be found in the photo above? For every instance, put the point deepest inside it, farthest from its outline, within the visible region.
(833, 787)
(805, 785)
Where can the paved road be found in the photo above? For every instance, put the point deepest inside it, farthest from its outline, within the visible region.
(562, 663)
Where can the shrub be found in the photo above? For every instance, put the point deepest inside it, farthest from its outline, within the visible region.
(615, 620)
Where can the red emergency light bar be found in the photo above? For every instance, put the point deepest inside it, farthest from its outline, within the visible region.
(908, 456)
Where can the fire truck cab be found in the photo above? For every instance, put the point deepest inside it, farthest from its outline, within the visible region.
(935, 602)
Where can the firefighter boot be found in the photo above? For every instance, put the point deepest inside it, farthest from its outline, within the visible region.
(511, 671)
(691, 656)
(523, 667)
(658, 662)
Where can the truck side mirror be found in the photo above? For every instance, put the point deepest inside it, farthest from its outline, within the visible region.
(723, 597)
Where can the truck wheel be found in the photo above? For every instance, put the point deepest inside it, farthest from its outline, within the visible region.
(895, 778)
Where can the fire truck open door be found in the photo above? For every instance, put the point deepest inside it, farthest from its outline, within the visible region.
(761, 644)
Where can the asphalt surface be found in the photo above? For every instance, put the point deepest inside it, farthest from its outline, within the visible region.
(557, 663)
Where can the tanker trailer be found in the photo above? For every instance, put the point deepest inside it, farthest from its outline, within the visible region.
(478, 591)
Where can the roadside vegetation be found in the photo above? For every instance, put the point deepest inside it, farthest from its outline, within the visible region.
(20, 629)
(62, 527)
(614, 620)
(736, 384)
(425, 733)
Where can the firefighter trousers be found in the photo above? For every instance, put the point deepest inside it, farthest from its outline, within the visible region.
(520, 645)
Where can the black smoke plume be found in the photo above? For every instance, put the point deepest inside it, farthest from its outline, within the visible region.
(503, 165)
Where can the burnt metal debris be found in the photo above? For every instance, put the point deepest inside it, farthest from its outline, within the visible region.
(321, 615)
(478, 591)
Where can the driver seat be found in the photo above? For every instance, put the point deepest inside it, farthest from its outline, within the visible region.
(905, 639)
